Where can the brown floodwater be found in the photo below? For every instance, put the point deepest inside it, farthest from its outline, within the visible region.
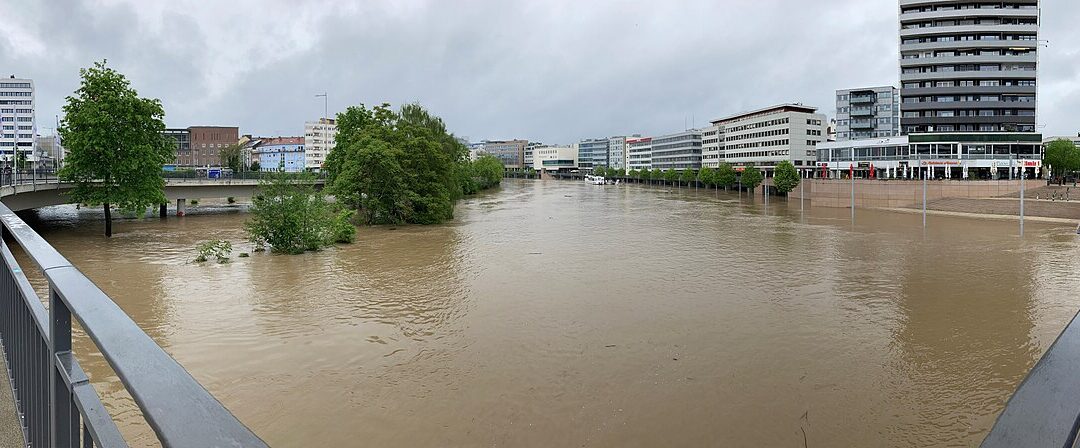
(556, 313)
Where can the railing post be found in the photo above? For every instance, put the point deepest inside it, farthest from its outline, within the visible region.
(61, 406)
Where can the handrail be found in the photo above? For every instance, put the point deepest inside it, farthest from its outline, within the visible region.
(180, 411)
(1045, 409)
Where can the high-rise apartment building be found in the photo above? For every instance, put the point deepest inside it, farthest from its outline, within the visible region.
(765, 137)
(872, 112)
(968, 66)
(320, 136)
(17, 124)
(617, 153)
(711, 142)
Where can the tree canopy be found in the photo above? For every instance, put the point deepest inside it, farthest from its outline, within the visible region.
(707, 176)
(232, 157)
(750, 177)
(115, 144)
(1062, 156)
(726, 176)
(786, 177)
(399, 167)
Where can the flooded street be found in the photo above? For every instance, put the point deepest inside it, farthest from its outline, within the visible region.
(556, 313)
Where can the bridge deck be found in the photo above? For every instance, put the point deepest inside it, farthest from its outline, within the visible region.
(10, 430)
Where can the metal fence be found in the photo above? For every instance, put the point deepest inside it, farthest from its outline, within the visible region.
(57, 404)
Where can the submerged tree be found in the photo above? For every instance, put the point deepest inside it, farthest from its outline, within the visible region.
(786, 177)
(726, 176)
(750, 178)
(291, 216)
(115, 144)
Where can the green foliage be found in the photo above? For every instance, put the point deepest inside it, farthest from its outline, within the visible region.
(244, 255)
(707, 176)
(1062, 156)
(657, 174)
(115, 144)
(688, 175)
(786, 177)
(400, 167)
(599, 171)
(633, 174)
(751, 178)
(255, 166)
(194, 202)
(343, 229)
(671, 175)
(232, 158)
(725, 176)
(230, 200)
(292, 216)
(483, 173)
(218, 249)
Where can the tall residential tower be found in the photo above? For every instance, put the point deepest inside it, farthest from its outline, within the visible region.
(17, 118)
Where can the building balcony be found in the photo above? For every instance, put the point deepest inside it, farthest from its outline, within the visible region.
(1029, 58)
(995, 74)
(950, 105)
(862, 99)
(967, 29)
(966, 13)
(862, 111)
(862, 124)
(968, 90)
(957, 45)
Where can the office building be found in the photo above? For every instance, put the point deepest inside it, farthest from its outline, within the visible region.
(530, 151)
(319, 138)
(711, 155)
(592, 153)
(183, 146)
(207, 142)
(968, 66)
(765, 137)
(18, 126)
(617, 153)
(678, 151)
(281, 154)
(872, 112)
(639, 153)
(50, 154)
(555, 158)
(510, 152)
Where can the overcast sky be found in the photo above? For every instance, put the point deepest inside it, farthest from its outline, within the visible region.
(547, 70)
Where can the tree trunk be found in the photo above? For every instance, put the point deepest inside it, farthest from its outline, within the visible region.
(108, 220)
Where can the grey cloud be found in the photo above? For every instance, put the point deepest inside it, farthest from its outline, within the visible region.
(554, 71)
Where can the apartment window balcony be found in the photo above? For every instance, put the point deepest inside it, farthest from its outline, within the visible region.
(862, 111)
(862, 124)
(862, 99)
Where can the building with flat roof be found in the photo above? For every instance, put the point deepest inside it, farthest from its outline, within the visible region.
(510, 152)
(320, 136)
(207, 142)
(870, 112)
(678, 151)
(183, 145)
(902, 158)
(639, 153)
(711, 155)
(555, 158)
(968, 66)
(18, 125)
(593, 152)
(765, 137)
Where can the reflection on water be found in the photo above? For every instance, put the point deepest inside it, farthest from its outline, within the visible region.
(564, 314)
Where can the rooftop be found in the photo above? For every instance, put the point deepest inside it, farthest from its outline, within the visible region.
(779, 108)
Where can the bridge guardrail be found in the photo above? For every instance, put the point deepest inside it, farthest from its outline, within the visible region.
(1045, 409)
(58, 405)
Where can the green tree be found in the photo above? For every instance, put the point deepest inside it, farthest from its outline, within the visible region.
(291, 216)
(657, 174)
(115, 144)
(786, 178)
(232, 157)
(726, 176)
(1062, 156)
(598, 170)
(707, 176)
(397, 167)
(750, 178)
(255, 166)
(633, 174)
(688, 176)
(671, 175)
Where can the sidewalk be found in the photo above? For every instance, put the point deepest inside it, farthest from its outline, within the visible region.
(10, 429)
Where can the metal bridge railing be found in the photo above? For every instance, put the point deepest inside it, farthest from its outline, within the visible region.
(1045, 409)
(57, 404)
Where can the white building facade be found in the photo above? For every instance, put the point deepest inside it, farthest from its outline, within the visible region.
(18, 126)
(319, 138)
(639, 153)
(766, 137)
(617, 153)
(711, 154)
(555, 158)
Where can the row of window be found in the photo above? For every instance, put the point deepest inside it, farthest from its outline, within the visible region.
(878, 108)
(760, 124)
(16, 111)
(16, 94)
(759, 134)
(970, 68)
(775, 153)
(954, 7)
(969, 22)
(22, 119)
(969, 52)
(886, 120)
(971, 113)
(970, 99)
(970, 38)
(985, 127)
(14, 85)
(16, 102)
(971, 83)
(765, 144)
